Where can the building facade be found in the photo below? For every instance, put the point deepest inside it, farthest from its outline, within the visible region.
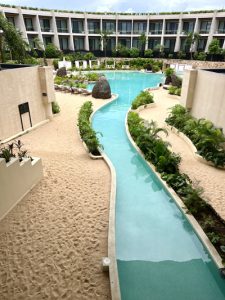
(80, 31)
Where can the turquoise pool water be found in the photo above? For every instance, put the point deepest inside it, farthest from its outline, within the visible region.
(159, 256)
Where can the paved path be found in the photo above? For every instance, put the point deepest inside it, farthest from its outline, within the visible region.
(212, 180)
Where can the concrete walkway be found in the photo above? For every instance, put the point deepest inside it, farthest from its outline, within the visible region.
(212, 180)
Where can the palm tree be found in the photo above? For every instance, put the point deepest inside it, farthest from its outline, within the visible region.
(105, 36)
(191, 39)
(142, 42)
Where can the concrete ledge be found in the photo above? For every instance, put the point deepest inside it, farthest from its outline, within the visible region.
(142, 107)
(195, 225)
(191, 146)
(25, 131)
(16, 180)
(113, 271)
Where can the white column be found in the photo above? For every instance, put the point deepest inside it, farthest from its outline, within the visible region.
(116, 31)
(38, 28)
(196, 30)
(146, 33)
(86, 40)
(71, 43)
(163, 32)
(211, 32)
(54, 28)
(101, 30)
(177, 45)
(21, 24)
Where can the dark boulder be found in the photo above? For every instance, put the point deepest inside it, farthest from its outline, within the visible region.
(176, 81)
(101, 89)
(61, 72)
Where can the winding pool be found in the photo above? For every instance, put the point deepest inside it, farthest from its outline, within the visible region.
(159, 256)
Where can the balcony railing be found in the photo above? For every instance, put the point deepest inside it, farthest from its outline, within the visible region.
(221, 31)
(78, 31)
(155, 32)
(62, 30)
(139, 31)
(173, 31)
(204, 31)
(29, 28)
(46, 29)
(124, 32)
(96, 30)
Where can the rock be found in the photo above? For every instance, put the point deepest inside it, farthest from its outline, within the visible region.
(176, 81)
(61, 72)
(101, 89)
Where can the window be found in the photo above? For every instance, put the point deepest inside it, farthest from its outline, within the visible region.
(205, 26)
(94, 26)
(188, 26)
(221, 27)
(94, 44)
(171, 27)
(124, 27)
(155, 27)
(184, 46)
(29, 24)
(45, 25)
(47, 40)
(153, 43)
(78, 43)
(136, 43)
(139, 27)
(126, 42)
(31, 40)
(11, 20)
(64, 43)
(201, 44)
(62, 25)
(77, 26)
(111, 44)
(109, 26)
(169, 45)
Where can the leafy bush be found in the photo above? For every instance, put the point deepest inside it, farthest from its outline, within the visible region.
(208, 139)
(134, 52)
(200, 56)
(87, 134)
(55, 107)
(89, 56)
(143, 98)
(148, 53)
(92, 76)
(51, 51)
(174, 90)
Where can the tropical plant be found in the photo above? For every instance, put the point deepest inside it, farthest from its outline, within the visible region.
(14, 149)
(214, 48)
(200, 56)
(11, 40)
(191, 39)
(55, 107)
(142, 42)
(88, 135)
(105, 36)
(134, 52)
(143, 98)
(51, 51)
(208, 139)
(148, 53)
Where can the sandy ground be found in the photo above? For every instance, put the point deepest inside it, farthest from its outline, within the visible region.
(212, 180)
(52, 242)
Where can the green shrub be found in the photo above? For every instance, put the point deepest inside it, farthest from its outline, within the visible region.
(169, 72)
(92, 76)
(51, 51)
(208, 139)
(87, 134)
(143, 98)
(134, 52)
(55, 63)
(89, 56)
(148, 53)
(200, 56)
(174, 90)
(55, 107)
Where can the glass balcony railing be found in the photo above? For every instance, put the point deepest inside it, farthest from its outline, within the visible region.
(46, 29)
(171, 31)
(221, 31)
(62, 30)
(204, 31)
(29, 28)
(124, 32)
(155, 32)
(96, 30)
(139, 31)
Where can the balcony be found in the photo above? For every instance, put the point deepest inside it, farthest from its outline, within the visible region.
(139, 31)
(204, 31)
(124, 32)
(220, 31)
(155, 32)
(93, 31)
(173, 31)
(29, 28)
(46, 29)
(62, 30)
